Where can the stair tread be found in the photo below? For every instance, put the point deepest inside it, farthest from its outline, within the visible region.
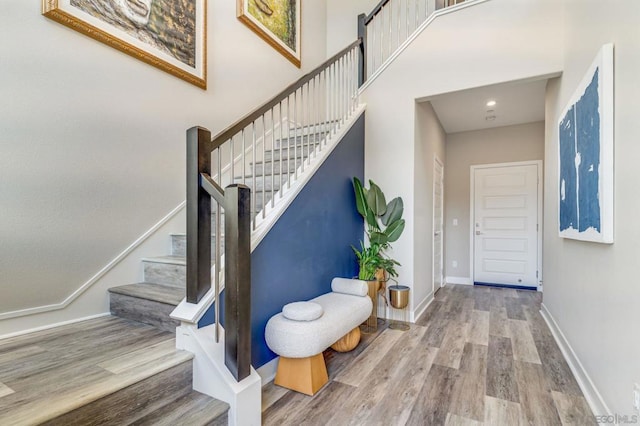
(56, 371)
(171, 260)
(194, 408)
(170, 295)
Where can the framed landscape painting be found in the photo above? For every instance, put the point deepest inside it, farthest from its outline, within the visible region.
(277, 22)
(168, 34)
(585, 153)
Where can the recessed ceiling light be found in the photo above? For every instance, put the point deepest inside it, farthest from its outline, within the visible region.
(491, 103)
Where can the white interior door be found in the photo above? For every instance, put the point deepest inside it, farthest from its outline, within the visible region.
(505, 225)
(438, 197)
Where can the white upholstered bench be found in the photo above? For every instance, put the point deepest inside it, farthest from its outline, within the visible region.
(316, 325)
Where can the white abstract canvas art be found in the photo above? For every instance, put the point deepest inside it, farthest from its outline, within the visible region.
(585, 150)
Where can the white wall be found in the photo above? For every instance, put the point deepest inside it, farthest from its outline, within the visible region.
(498, 145)
(476, 53)
(92, 141)
(342, 22)
(430, 142)
(591, 289)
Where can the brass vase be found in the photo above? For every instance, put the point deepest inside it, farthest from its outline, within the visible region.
(399, 299)
(371, 325)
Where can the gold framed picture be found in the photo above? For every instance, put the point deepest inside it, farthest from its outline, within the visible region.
(168, 34)
(277, 22)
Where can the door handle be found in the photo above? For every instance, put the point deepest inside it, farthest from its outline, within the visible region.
(478, 233)
(435, 234)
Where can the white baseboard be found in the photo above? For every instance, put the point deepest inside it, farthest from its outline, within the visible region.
(58, 324)
(268, 371)
(591, 394)
(459, 280)
(421, 308)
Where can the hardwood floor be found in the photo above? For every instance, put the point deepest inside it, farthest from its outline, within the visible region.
(52, 373)
(477, 356)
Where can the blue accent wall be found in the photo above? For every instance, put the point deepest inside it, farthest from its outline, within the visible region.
(310, 243)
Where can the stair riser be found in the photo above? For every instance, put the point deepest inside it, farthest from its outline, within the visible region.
(144, 311)
(179, 245)
(164, 273)
(270, 166)
(133, 402)
(299, 139)
(291, 152)
(266, 181)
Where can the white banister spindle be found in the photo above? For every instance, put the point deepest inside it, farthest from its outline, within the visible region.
(264, 164)
(406, 18)
(232, 160)
(295, 131)
(382, 38)
(308, 123)
(273, 157)
(314, 103)
(253, 175)
(390, 28)
(399, 23)
(280, 150)
(243, 159)
(288, 139)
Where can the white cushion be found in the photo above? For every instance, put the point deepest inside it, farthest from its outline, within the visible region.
(301, 339)
(302, 311)
(349, 286)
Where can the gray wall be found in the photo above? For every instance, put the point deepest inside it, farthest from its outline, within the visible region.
(464, 149)
(591, 289)
(429, 67)
(92, 141)
(430, 142)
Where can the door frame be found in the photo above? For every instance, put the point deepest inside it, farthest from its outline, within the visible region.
(433, 222)
(472, 219)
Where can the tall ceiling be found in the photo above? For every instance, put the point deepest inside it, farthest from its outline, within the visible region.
(516, 103)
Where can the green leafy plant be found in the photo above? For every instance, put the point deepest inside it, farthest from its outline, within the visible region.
(371, 259)
(384, 225)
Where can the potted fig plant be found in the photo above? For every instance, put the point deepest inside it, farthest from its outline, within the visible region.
(383, 226)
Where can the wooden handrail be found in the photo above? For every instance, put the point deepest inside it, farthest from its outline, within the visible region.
(375, 11)
(234, 129)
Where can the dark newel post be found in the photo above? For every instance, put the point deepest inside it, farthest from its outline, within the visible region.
(237, 265)
(198, 215)
(362, 61)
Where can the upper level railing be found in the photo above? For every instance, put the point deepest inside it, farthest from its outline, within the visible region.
(389, 25)
(257, 161)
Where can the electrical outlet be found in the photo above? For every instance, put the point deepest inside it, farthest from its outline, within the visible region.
(455, 222)
(636, 397)
(455, 263)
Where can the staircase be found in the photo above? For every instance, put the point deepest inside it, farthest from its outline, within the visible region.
(163, 287)
(124, 369)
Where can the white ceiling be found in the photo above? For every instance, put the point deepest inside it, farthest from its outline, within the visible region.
(516, 103)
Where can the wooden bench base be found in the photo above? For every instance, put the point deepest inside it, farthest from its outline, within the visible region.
(305, 375)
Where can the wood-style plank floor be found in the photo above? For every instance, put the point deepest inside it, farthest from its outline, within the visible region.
(47, 373)
(478, 356)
